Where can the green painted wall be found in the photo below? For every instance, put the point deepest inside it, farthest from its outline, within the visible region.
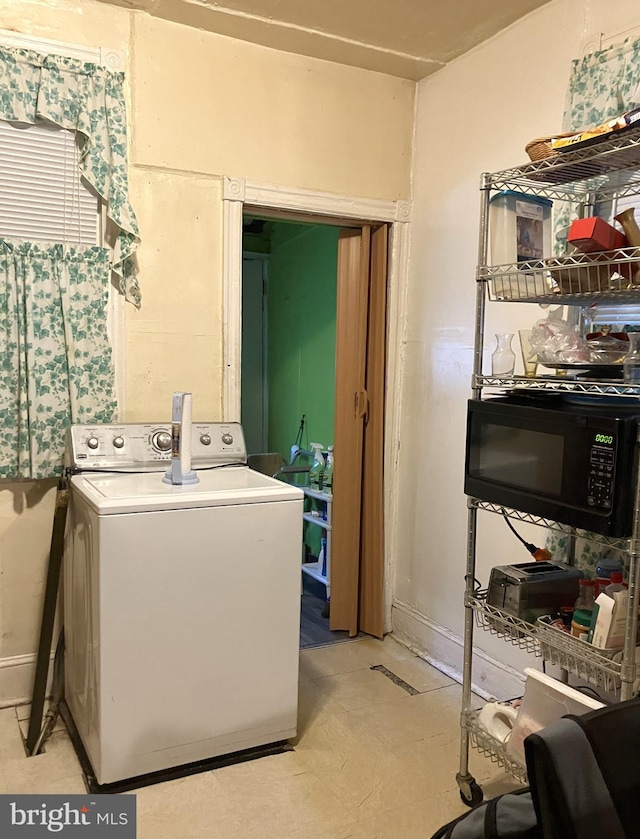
(301, 333)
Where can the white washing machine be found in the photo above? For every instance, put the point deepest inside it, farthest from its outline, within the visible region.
(181, 603)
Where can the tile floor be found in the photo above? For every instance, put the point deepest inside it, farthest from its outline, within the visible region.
(371, 762)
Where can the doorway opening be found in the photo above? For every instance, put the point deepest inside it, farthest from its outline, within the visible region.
(372, 248)
(288, 381)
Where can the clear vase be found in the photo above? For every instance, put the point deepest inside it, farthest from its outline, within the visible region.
(503, 360)
(631, 361)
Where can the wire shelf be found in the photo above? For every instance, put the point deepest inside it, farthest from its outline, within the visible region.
(529, 518)
(490, 747)
(518, 632)
(553, 645)
(576, 278)
(601, 169)
(558, 384)
(580, 658)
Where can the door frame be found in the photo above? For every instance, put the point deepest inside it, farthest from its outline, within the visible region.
(238, 195)
(263, 258)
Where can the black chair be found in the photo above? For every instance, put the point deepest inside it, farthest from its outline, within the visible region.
(584, 776)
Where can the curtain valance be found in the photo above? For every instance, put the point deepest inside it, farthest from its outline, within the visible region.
(89, 99)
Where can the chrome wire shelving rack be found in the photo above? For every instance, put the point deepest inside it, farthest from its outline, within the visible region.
(586, 178)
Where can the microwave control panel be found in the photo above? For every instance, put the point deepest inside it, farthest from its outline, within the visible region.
(601, 473)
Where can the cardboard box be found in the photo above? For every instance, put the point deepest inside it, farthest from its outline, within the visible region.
(594, 234)
(610, 621)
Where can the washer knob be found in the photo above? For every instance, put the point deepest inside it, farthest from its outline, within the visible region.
(118, 442)
(227, 439)
(93, 442)
(161, 441)
(205, 439)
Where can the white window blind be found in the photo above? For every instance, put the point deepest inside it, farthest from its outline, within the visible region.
(42, 196)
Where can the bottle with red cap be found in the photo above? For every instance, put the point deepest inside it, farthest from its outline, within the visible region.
(616, 584)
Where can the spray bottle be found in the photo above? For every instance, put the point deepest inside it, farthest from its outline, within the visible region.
(327, 478)
(317, 468)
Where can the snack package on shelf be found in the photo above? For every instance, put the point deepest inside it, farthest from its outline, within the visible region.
(598, 132)
(552, 144)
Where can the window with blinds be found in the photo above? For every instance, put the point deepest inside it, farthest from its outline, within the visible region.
(42, 195)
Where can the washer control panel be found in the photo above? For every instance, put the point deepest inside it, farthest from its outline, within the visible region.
(138, 447)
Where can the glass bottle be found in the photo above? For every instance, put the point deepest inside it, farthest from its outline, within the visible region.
(631, 361)
(503, 360)
(586, 596)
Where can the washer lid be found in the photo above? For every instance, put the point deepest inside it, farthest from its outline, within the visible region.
(108, 494)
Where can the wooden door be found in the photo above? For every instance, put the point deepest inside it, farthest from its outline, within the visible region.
(371, 585)
(357, 553)
(351, 404)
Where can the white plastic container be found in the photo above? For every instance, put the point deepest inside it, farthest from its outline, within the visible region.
(520, 227)
(519, 231)
(545, 701)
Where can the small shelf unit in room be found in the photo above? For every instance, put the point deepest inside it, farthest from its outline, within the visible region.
(586, 177)
(315, 569)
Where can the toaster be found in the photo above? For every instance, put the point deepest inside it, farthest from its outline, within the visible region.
(531, 589)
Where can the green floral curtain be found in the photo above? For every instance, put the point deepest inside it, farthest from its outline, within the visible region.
(602, 85)
(56, 357)
(55, 353)
(88, 99)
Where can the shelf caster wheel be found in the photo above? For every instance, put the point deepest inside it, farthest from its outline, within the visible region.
(470, 793)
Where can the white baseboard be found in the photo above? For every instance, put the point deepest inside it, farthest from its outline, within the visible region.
(444, 649)
(16, 679)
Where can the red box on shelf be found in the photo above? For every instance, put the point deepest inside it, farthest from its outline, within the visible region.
(594, 234)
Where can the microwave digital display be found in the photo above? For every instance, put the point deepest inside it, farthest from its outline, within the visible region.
(518, 457)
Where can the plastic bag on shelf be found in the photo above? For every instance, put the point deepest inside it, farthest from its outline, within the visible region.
(555, 341)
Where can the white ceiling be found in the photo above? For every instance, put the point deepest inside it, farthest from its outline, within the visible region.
(406, 38)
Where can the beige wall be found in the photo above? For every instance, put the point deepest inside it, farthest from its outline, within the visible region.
(201, 106)
(506, 92)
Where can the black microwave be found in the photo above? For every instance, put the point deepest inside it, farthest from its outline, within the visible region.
(556, 457)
